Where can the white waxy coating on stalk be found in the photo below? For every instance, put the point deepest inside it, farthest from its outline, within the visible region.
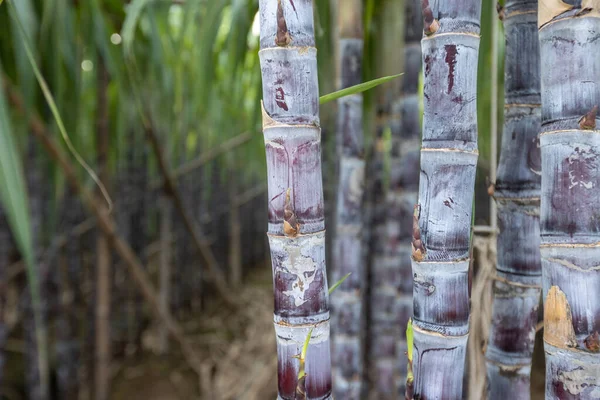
(442, 234)
(570, 199)
(301, 258)
(296, 211)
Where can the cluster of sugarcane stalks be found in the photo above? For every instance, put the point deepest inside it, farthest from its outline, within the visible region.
(551, 106)
(547, 193)
(88, 308)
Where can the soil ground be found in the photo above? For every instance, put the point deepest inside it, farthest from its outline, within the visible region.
(237, 348)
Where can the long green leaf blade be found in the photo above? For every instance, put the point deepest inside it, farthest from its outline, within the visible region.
(54, 109)
(13, 195)
(361, 87)
(134, 11)
(338, 283)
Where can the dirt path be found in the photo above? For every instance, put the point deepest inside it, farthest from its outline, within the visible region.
(238, 350)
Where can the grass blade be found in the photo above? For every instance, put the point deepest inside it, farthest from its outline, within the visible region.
(361, 87)
(134, 11)
(13, 195)
(56, 114)
(338, 283)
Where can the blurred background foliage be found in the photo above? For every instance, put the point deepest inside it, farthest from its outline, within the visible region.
(189, 71)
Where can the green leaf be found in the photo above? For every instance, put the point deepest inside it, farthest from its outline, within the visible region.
(409, 344)
(13, 195)
(302, 370)
(54, 109)
(305, 347)
(409, 339)
(361, 87)
(338, 283)
(134, 10)
(26, 12)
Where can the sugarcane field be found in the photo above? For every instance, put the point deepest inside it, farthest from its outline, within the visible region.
(299, 200)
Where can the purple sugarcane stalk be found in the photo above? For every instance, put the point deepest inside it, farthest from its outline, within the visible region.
(383, 330)
(569, 35)
(517, 193)
(292, 135)
(347, 303)
(441, 237)
(404, 180)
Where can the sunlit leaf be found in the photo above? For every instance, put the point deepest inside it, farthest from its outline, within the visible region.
(134, 10)
(361, 87)
(26, 12)
(56, 114)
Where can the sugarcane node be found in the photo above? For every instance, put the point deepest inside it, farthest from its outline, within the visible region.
(588, 121)
(500, 10)
(291, 227)
(592, 342)
(558, 320)
(430, 24)
(283, 37)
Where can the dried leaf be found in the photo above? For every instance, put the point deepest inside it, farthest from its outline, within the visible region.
(267, 121)
(418, 249)
(291, 227)
(430, 24)
(500, 10)
(558, 321)
(549, 9)
(590, 7)
(588, 121)
(592, 342)
(283, 37)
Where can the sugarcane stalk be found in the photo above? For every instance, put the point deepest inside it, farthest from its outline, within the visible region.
(67, 343)
(404, 181)
(103, 253)
(171, 189)
(383, 329)
(37, 375)
(347, 305)
(517, 287)
(296, 228)
(441, 235)
(165, 268)
(235, 234)
(570, 196)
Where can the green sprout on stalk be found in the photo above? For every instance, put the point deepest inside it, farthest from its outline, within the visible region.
(409, 353)
(300, 388)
